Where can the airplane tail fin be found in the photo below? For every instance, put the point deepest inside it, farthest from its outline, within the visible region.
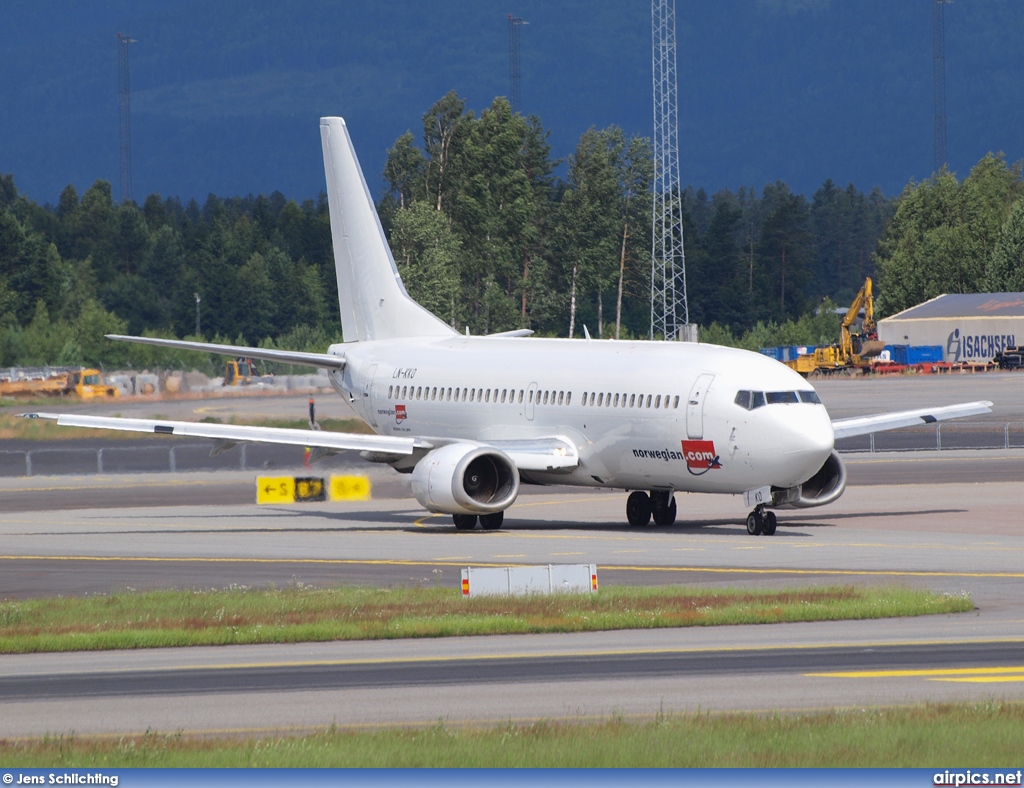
(374, 302)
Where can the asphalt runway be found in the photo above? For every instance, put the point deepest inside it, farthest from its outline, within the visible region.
(951, 537)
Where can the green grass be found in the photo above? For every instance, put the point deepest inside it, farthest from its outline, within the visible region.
(946, 736)
(189, 618)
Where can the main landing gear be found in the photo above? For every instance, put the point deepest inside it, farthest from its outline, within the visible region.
(489, 522)
(641, 507)
(762, 521)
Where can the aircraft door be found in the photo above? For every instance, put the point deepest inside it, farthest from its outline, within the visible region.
(369, 406)
(531, 395)
(695, 407)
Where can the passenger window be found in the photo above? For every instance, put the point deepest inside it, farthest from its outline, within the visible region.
(389, 391)
(561, 395)
(487, 396)
(568, 398)
(675, 401)
(632, 400)
(503, 393)
(584, 399)
(657, 401)
(648, 400)
(520, 396)
(616, 403)
(600, 399)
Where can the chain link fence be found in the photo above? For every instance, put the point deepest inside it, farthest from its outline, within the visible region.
(70, 461)
(939, 437)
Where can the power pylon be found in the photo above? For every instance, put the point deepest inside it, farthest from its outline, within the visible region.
(670, 314)
(939, 56)
(124, 94)
(514, 23)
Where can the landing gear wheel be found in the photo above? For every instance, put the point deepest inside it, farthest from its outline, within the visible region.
(464, 522)
(491, 522)
(771, 522)
(638, 509)
(663, 508)
(755, 523)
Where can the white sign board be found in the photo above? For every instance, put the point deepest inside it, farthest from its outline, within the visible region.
(524, 580)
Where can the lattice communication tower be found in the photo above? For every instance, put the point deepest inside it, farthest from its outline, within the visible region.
(514, 23)
(124, 94)
(670, 315)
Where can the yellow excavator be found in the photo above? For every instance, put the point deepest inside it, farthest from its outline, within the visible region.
(856, 345)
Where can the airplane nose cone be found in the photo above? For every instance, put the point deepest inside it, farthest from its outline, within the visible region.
(805, 432)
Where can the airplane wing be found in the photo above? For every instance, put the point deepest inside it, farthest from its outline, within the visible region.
(863, 425)
(535, 454)
(237, 433)
(325, 360)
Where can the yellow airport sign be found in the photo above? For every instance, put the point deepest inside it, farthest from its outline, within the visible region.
(292, 489)
(275, 489)
(350, 488)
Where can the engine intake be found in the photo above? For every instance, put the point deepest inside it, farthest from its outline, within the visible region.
(465, 479)
(823, 488)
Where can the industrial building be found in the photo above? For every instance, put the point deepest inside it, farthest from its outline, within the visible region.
(971, 328)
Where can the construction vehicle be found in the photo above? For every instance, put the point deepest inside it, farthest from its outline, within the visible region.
(54, 382)
(857, 345)
(242, 372)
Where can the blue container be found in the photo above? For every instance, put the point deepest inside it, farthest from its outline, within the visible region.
(898, 354)
(925, 354)
(773, 352)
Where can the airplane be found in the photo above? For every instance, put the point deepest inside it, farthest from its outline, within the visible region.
(474, 417)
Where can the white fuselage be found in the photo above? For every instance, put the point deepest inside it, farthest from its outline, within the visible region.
(642, 415)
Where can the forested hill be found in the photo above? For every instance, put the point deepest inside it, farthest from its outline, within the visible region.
(488, 237)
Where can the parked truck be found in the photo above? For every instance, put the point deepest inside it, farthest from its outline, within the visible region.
(55, 382)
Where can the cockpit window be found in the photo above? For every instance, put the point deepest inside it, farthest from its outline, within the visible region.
(751, 400)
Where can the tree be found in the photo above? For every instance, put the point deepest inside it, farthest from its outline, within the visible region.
(425, 249)
(783, 253)
(943, 235)
(589, 215)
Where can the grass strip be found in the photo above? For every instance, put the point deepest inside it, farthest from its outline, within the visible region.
(154, 619)
(954, 736)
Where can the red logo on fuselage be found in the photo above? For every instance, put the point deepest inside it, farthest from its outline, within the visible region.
(700, 455)
(400, 414)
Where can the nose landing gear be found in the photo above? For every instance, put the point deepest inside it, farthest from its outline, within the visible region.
(761, 521)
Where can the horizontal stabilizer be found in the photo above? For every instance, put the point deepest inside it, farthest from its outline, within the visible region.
(324, 360)
(864, 425)
(237, 433)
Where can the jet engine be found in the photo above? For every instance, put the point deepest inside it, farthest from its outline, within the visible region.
(465, 479)
(824, 487)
